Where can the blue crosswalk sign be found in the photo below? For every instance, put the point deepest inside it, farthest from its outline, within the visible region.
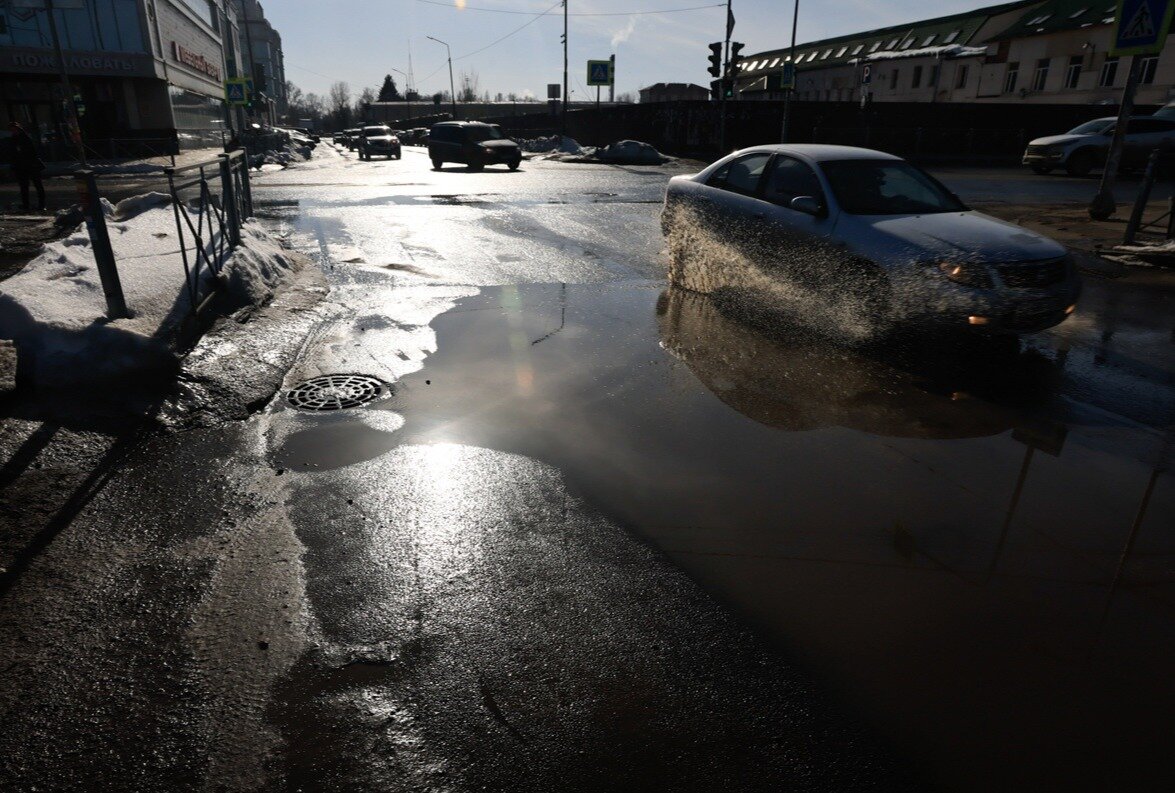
(236, 91)
(1141, 26)
(599, 73)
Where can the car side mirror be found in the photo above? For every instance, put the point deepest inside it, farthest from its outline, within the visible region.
(807, 204)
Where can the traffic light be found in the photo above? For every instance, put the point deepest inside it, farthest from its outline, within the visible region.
(735, 59)
(728, 88)
(715, 90)
(715, 69)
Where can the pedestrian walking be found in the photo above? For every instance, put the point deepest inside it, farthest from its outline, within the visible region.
(26, 165)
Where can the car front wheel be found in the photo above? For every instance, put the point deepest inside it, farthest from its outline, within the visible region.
(513, 165)
(436, 164)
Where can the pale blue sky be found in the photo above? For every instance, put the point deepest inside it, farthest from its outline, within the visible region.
(360, 40)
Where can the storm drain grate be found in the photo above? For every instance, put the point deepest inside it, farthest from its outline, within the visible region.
(335, 392)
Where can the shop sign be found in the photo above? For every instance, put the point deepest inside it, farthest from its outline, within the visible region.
(195, 60)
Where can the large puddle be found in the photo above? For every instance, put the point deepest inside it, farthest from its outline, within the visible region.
(969, 543)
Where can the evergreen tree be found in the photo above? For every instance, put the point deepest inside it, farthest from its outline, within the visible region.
(388, 91)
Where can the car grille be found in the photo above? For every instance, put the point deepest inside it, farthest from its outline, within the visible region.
(1038, 150)
(1033, 275)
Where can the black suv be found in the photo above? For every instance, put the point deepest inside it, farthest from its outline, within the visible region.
(473, 143)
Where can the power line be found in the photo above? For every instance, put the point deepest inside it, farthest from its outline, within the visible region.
(573, 13)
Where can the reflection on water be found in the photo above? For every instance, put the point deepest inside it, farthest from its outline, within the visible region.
(964, 547)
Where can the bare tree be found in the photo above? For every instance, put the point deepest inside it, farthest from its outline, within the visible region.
(626, 98)
(339, 102)
(365, 98)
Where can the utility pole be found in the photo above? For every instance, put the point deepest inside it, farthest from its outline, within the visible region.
(565, 94)
(73, 122)
(723, 80)
(612, 87)
(791, 58)
(452, 88)
(1102, 206)
(251, 72)
(407, 104)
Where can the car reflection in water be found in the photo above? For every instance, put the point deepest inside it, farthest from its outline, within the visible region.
(773, 371)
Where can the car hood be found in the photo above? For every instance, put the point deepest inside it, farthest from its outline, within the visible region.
(1060, 140)
(498, 144)
(965, 236)
(380, 139)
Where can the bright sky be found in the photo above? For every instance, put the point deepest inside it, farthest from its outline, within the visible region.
(360, 41)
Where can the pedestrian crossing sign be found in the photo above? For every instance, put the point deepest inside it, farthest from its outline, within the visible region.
(599, 73)
(1141, 26)
(236, 91)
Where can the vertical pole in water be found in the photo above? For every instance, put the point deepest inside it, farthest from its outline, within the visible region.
(87, 188)
(1102, 205)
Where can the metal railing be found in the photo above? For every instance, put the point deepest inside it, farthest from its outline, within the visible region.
(210, 199)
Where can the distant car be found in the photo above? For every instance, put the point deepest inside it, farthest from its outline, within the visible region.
(339, 137)
(417, 136)
(378, 140)
(865, 231)
(353, 136)
(472, 143)
(1085, 147)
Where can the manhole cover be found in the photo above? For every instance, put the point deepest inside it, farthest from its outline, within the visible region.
(335, 392)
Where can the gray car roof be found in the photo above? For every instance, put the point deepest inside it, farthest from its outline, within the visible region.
(822, 152)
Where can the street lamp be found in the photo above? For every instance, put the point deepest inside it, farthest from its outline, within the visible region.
(452, 89)
(407, 104)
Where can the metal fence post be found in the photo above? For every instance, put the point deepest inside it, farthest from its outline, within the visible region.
(229, 201)
(246, 187)
(87, 188)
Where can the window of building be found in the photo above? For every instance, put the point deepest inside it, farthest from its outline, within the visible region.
(1010, 77)
(893, 43)
(1039, 20)
(827, 52)
(954, 34)
(1041, 75)
(916, 80)
(908, 43)
(841, 52)
(926, 42)
(1149, 65)
(857, 49)
(1073, 71)
(1076, 14)
(893, 80)
(875, 46)
(961, 76)
(774, 63)
(812, 57)
(1109, 72)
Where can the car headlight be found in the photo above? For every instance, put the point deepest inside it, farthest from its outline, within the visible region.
(967, 273)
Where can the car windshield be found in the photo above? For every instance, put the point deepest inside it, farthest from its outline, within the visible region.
(1092, 128)
(478, 134)
(887, 187)
(376, 132)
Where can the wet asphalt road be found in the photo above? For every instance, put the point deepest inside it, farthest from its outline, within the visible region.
(596, 534)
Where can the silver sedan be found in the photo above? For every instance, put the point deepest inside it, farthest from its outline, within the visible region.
(862, 238)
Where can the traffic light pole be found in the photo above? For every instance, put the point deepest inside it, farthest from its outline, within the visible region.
(75, 129)
(791, 58)
(722, 83)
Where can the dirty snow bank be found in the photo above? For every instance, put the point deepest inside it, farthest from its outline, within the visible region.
(622, 152)
(55, 312)
(287, 155)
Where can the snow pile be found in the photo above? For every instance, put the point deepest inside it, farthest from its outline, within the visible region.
(942, 51)
(630, 152)
(555, 143)
(287, 155)
(55, 311)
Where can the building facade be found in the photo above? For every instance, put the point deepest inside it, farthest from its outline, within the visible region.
(1055, 51)
(148, 74)
(673, 92)
(261, 45)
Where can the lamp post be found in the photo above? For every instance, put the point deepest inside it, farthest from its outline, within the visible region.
(452, 88)
(791, 58)
(407, 104)
(73, 123)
